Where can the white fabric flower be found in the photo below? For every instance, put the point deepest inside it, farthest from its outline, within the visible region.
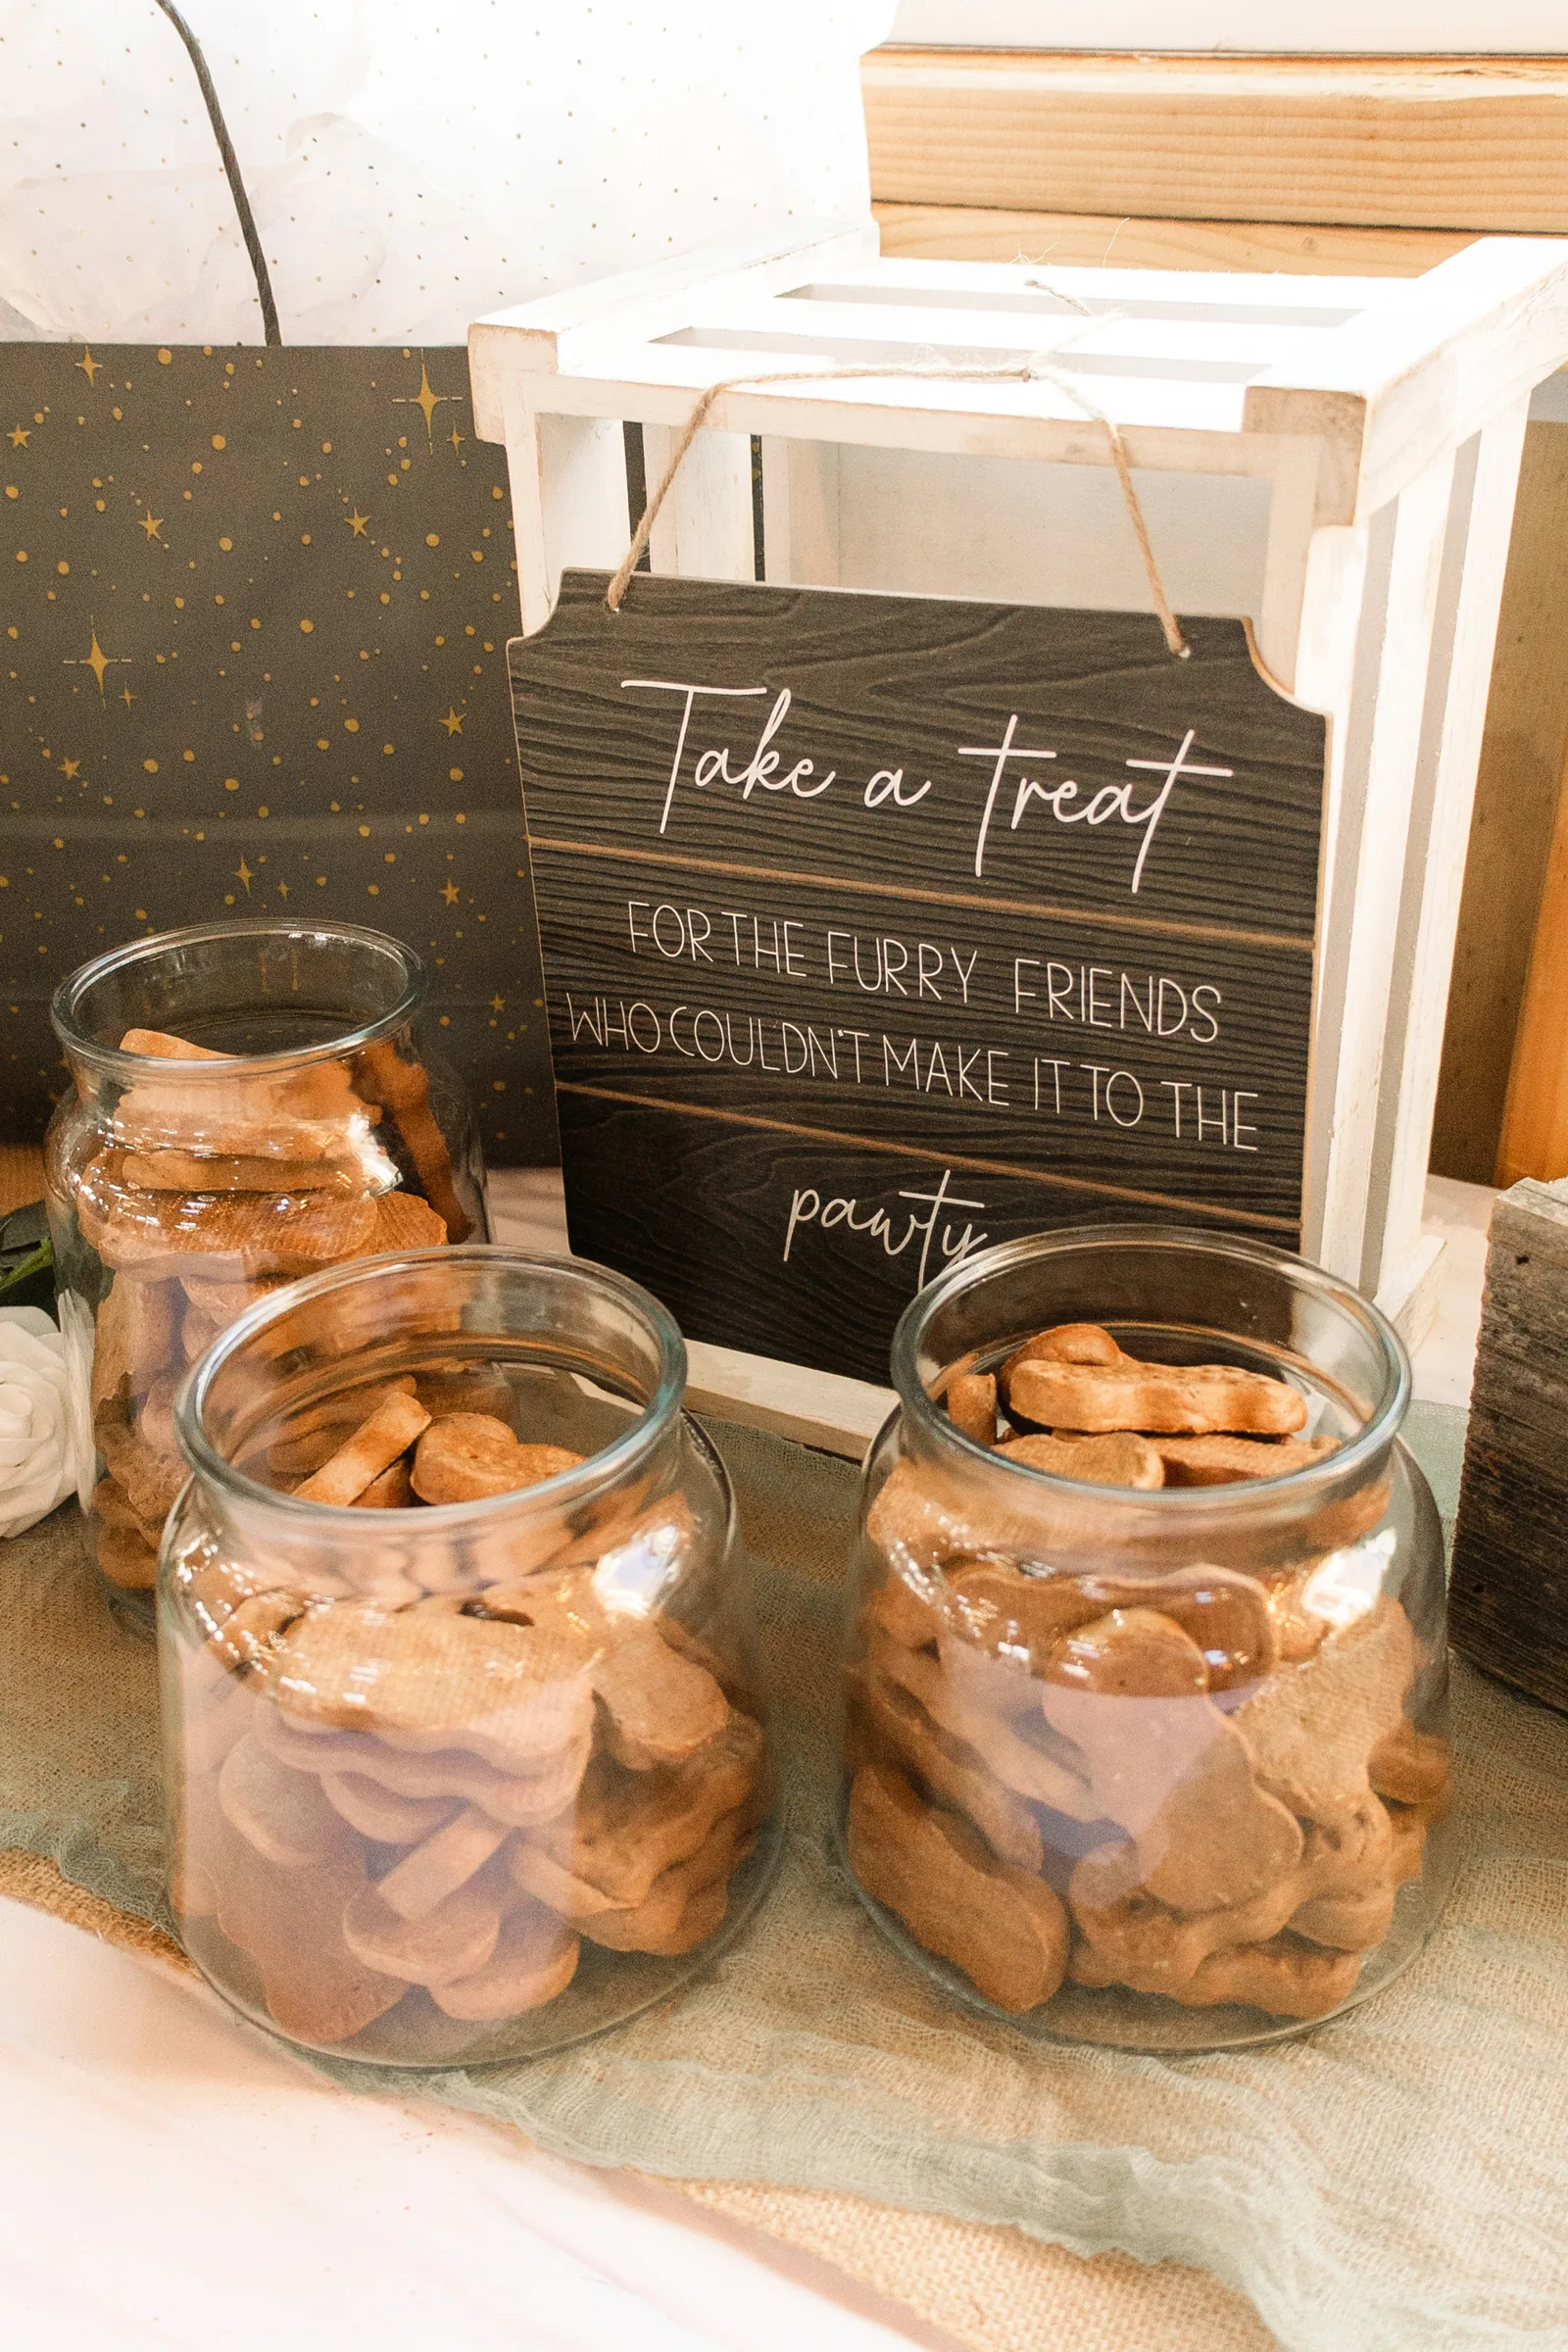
(40, 1465)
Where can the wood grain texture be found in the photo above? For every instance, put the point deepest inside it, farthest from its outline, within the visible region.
(973, 232)
(805, 1052)
(1523, 754)
(1535, 1123)
(1509, 1598)
(1408, 143)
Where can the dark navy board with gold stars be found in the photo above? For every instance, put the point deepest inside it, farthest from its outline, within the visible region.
(256, 605)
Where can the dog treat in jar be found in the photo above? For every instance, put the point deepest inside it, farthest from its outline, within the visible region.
(249, 1103)
(464, 1748)
(1145, 1697)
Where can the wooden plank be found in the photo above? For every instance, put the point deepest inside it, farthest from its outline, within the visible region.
(973, 232)
(1523, 755)
(1406, 381)
(1409, 143)
(1534, 1125)
(1474, 561)
(1509, 1598)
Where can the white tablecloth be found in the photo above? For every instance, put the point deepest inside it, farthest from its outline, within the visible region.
(169, 2177)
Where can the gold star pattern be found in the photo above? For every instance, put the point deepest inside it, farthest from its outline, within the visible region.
(219, 654)
(97, 660)
(426, 400)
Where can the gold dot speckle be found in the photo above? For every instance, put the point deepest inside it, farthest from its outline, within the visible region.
(187, 754)
(351, 726)
(218, 442)
(62, 566)
(455, 774)
(322, 744)
(226, 545)
(164, 358)
(22, 554)
(231, 783)
(195, 464)
(365, 832)
(307, 627)
(432, 538)
(151, 765)
(373, 889)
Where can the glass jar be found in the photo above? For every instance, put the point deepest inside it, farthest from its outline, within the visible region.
(466, 1758)
(248, 1103)
(1146, 1735)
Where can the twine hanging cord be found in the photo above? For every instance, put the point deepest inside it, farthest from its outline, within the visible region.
(1028, 371)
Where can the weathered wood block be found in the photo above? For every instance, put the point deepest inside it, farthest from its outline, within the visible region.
(1509, 1602)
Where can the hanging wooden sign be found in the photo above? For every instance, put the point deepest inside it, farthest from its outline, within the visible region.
(880, 928)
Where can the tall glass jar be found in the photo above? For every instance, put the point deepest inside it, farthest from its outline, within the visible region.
(466, 1756)
(248, 1103)
(1145, 1708)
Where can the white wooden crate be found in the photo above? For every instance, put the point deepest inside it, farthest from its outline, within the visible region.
(1335, 459)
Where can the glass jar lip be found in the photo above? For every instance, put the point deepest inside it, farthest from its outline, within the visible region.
(128, 1068)
(1238, 1498)
(566, 1486)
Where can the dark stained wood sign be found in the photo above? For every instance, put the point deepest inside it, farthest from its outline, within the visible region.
(879, 928)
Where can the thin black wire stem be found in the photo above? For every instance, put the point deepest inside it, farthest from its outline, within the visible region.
(236, 185)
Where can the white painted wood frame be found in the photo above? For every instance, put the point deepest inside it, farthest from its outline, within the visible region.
(1334, 459)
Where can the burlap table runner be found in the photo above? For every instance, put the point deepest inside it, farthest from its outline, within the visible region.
(1396, 2180)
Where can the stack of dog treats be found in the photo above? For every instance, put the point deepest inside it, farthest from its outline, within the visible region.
(425, 1778)
(206, 1196)
(1203, 1783)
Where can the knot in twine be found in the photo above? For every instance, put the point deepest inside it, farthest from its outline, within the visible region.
(1030, 370)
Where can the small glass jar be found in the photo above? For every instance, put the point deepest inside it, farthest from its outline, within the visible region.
(1146, 1735)
(470, 1762)
(248, 1103)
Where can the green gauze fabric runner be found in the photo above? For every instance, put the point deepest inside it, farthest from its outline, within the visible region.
(1397, 2182)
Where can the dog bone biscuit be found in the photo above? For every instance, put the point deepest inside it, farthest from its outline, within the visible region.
(1410, 1766)
(1310, 1729)
(249, 1636)
(1284, 1977)
(1132, 1939)
(404, 1088)
(951, 1702)
(221, 1172)
(372, 1448)
(1159, 1397)
(466, 1456)
(534, 1961)
(291, 1924)
(134, 1337)
(1217, 1462)
(1166, 1765)
(113, 1507)
(886, 1724)
(516, 1696)
(1121, 1459)
(685, 1903)
(913, 1520)
(381, 1814)
(425, 1777)
(391, 1491)
(477, 1389)
(627, 1826)
(972, 1402)
(402, 1221)
(453, 1939)
(658, 1708)
(281, 1813)
(1065, 1343)
(1004, 1928)
(149, 1479)
(445, 1861)
(127, 1558)
(254, 1232)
